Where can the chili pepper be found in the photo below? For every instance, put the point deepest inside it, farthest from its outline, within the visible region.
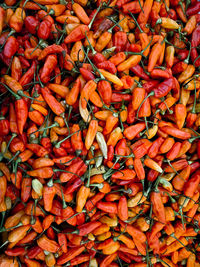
(154, 56)
(2, 14)
(17, 19)
(77, 34)
(138, 97)
(15, 251)
(92, 130)
(158, 207)
(105, 91)
(56, 107)
(119, 41)
(4, 126)
(176, 133)
(87, 75)
(49, 65)
(11, 47)
(44, 29)
(72, 253)
(47, 244)
(31, 24)
(191, 185)
(130, 62)
(194, 9)
(107, 65)
(138, 70)
(16, 69)
(133, 7)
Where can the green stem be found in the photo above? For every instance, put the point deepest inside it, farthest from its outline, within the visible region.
(97, 11)
(136, 22)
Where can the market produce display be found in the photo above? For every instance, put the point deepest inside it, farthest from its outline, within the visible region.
(99, 133)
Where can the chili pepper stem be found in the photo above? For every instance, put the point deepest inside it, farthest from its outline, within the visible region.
(97, 11)
(16, 154)
(4, 244)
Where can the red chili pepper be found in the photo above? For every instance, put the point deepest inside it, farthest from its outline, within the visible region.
(120, 149)
(62, 241)
(33, 252)
(117, 97)
(22, 113)
(107, 65)
(87, 75)
(23, 60)
(158, 207)
(105, 91)
(4, 126)
(139, 71)
(31, 24)
(193, 10)
(73, 171)
(119, 41)
(194, 43)
(148, 86)
(28, 76)
(55, 106)
(14, 252)
(10, 47)
(77, 34)
(98, 58)
(191, 185)
(87, 228)
(164, 88)
(44, 29)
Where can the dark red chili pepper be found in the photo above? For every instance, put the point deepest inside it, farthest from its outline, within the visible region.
(6, 61)
(131, 114)
(22, 59)
(110, 154)
(31, 24)
(107, 65)
(148, 86)
(194, 9)
(183, 54)
(119, 41)
(33, 252)
(87, 74)
(164, 88)
(27, 44)
(198, 149)
(197, 17)
(98, 58)
(44, 30)
(10, 47)
(139, 71)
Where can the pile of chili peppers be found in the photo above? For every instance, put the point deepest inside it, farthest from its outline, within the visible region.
(99, 133)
